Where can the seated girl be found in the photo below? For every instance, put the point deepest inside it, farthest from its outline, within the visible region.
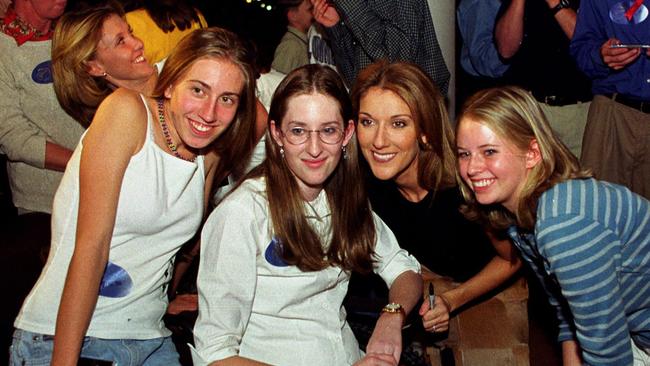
(277, 253)
(134, 191)
(588, 241)
(94, 52)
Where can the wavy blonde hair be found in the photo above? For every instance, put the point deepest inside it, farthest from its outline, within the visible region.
(74, 43)
(514, 115)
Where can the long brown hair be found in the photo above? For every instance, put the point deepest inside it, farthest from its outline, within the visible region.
(237, 142)
(436, 158)
(74, 43)
(514, 115)
(352, 226)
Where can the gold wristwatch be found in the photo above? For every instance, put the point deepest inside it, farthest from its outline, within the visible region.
(393, 308)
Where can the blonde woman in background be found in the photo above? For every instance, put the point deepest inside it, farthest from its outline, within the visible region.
(94, 53)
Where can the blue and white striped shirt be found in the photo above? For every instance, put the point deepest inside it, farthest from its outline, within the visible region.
(591, 250)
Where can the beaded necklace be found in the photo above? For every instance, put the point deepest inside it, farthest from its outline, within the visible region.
(165, 130)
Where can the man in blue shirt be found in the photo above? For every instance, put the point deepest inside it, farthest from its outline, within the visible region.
(478, 54)
(482, 67)
(615, 144)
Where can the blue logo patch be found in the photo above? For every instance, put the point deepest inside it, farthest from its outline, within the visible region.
(272, 253)
(116, 282)
(617, 13)
(42, 73)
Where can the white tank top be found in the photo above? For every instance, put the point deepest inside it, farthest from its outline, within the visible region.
(160, 207)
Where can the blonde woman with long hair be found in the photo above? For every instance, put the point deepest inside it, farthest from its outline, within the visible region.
(588, 241)
(94, 53)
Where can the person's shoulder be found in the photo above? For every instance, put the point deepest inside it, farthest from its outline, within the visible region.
(137, 14)
(290, 40)
(7, 52)
(9, 47)
(580, 197)
(5, 40)
(140, 20)
(583, 189)
(250, 195)
(122, 110)
(125, 100)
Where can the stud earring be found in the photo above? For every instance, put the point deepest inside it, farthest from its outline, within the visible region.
(104, 74)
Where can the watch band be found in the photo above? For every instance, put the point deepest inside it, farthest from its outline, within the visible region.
(394, 308)
(563, 4)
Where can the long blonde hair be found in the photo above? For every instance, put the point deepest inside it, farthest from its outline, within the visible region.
(436, 157)
(514, 115)
(74, 43)
(352, 226)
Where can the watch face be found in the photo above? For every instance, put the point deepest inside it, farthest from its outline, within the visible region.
(392, 307)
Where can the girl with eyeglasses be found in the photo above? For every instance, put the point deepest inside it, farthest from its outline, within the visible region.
(277, 253)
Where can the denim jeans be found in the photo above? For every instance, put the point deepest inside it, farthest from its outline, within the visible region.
(35, 349)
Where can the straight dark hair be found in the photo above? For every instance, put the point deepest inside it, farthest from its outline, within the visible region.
(352, 227)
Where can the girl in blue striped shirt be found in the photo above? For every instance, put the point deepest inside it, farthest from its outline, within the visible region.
(588, 241)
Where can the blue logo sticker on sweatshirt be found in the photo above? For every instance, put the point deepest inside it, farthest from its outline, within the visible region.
(42, 73)
(116, 282)
(272, 253)
(618, 13)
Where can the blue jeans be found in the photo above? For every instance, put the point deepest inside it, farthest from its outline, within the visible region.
(35, 349)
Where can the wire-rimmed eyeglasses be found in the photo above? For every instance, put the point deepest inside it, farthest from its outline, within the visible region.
(328, 135)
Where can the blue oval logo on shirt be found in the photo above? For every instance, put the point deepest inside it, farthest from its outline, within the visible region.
(617, 13)
(42, 73)
(116, 282)
(272, 253)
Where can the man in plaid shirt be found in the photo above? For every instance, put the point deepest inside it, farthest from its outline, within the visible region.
(362, 32)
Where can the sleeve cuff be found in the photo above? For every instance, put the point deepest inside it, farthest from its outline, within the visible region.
(199, 360)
